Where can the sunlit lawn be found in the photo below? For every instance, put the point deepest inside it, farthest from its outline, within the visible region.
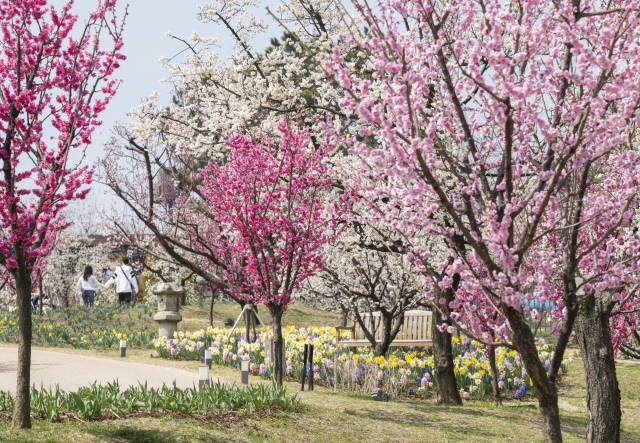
(340, 417)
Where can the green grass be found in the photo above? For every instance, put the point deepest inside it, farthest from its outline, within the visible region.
(343, 417)
(298, 314)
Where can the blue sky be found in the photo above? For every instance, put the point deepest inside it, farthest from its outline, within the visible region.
(144, 43)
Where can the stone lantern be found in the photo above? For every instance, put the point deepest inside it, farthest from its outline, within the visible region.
(168, 316)
(203, 288)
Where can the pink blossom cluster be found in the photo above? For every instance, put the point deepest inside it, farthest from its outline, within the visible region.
(53, 88)
(267, 214)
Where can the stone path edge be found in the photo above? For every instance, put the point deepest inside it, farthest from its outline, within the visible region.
(122, 360)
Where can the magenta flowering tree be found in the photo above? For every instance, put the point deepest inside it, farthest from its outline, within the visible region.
(53, 87)
(266, 203)
(506, 130)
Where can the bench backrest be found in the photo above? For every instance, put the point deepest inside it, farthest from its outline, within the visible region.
(417, 326)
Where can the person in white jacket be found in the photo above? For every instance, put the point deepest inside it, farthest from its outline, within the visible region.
(125, 281)
(87, 286)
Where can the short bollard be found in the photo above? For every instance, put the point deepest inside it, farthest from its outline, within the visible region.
(311, 373)
(245, 371)
(204, 375)
(304, 365)
(207, 358)
(123, 348)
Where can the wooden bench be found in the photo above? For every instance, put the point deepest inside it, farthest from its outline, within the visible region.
(415, 331)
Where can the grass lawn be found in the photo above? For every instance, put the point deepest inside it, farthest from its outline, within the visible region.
(340, 417)
(298, 314)
(337, 417)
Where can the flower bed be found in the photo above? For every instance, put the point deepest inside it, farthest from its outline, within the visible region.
(100, 327)
(403, 370)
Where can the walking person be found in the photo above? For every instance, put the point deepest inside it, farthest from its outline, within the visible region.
(87, 286)
(125, 281)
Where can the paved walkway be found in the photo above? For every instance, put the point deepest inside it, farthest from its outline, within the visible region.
(72, 371)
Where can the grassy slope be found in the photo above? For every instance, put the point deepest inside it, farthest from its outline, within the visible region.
(298, 314)
(344, 417)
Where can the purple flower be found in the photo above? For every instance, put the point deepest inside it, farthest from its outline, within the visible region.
(410, 390)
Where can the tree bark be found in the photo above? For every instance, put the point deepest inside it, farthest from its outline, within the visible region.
(211, 309)
(547, 394)
(41, 297)
(494, 375)
(382, 346)
(276, 323)
(445, 378)
(22, 409)
(603, 394)
(247, 324)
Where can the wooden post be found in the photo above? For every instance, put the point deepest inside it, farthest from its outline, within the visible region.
(311, 367)
(304, 365)
(335, 370)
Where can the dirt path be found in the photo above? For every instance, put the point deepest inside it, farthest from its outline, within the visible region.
(72, 371)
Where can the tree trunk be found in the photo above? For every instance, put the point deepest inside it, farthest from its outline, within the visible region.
(445, 378)
(603, 394)
(41, 298)
(247, 324)
(22, 409)
(382, 346)
(494, 375)
(211, 309)
(276, 323)
(547, 394)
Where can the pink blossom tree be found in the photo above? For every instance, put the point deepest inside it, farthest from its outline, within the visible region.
(52, 83)
(506, 125)
(267, 204)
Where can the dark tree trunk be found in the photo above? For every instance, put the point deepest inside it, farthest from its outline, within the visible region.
(247, 324)
(603, 394)
(547, 394)
(41, 298)
(22, 409)
(494, 375)
(445, 378)
(211, 309)
(276, 323)
(382, 346)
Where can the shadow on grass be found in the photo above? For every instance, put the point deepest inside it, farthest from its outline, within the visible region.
(130, 434)
(27, 440)
(460, 420)
(133, 435)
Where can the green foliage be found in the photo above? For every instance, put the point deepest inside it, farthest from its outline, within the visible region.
(98, 401)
